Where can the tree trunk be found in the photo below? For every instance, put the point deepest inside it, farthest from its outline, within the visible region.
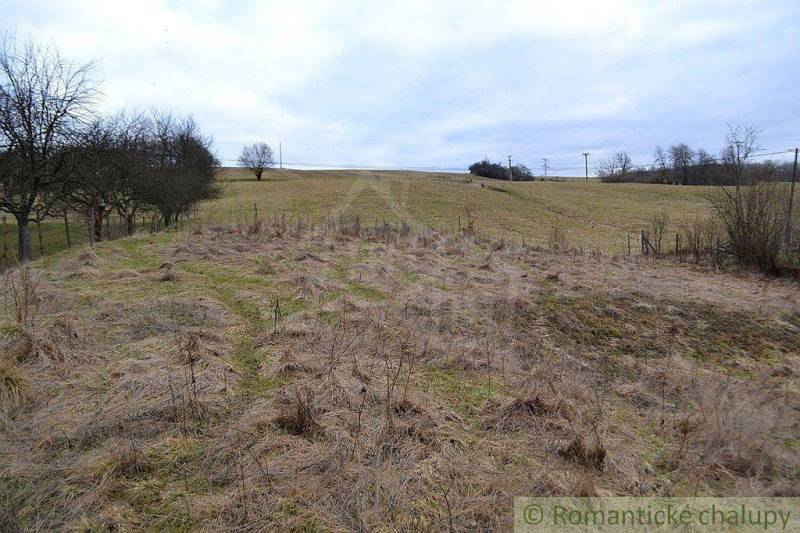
(258, 175)
(98, 224)
(130, 223)
(24, 238)
(91, 226)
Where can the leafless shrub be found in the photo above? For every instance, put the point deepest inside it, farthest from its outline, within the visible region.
(341, 341)
(700, 236)
(26, 343)
(754, 220)
(302, 419)
(658, 224)
(21, 288)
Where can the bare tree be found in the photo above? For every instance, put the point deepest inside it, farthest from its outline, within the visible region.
(681, 156)
(614, 168)
(180, 169)
(44, 102)
(660, 163)
(257, 158)
(106, 168)
(606, 168)
(740, 143)
(703, 163)
(623, 162)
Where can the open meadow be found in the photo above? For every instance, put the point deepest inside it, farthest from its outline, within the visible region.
(424, 325)
(593, 215)
(284, 375)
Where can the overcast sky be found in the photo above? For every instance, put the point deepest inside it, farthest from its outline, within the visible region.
(441, 83)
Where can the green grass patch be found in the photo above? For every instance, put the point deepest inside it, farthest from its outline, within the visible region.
(366, 292)
(463, 392)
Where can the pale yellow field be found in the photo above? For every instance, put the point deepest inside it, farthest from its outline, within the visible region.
(594, 215)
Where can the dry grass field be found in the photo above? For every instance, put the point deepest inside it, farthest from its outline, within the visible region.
(593, 215)
(339, 377)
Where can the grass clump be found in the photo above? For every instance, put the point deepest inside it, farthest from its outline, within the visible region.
(14, 388)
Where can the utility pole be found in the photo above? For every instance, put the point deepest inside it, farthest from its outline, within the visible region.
(510, 172)
(544, 166)
(280, 155)
(586, 161)
(791, 201)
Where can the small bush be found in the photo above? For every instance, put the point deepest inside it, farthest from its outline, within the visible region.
(754, 220)
(659, 224)
(700, 236)
(21, 287)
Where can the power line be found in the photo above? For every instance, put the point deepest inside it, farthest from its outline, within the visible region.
(458, 168)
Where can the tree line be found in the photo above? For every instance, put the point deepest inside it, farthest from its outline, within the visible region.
(58, 152)
(680, 164)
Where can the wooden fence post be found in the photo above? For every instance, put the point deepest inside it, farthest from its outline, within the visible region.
(91, 225)
(66, 228)
(644, 252)
(39, 232)
(5, 244)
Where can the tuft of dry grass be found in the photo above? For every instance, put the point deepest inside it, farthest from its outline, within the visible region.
(14, 388)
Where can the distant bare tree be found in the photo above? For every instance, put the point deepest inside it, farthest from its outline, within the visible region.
(681, 157)
(703, 162)
(614, 168)
(740, 143)
(257, 158)
(44, 102)
(606, 168)
(624, 162)
(660, 163)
